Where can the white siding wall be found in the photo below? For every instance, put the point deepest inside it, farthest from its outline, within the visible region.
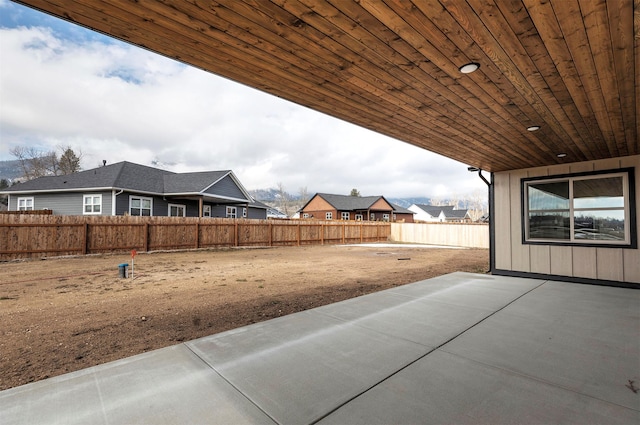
(615, 264)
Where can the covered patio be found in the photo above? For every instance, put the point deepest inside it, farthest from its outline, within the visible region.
(460, 348)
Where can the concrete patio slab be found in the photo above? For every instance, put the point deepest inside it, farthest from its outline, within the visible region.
(298, 368)
(582, 338)
(167, 386)
(446, 389)
(461, 348)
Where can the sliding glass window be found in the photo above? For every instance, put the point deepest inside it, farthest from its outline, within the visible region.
(579, 209)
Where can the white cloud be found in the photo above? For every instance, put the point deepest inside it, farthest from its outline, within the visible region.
(115, 102)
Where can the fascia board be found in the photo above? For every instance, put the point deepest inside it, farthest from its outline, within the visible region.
(40, 191)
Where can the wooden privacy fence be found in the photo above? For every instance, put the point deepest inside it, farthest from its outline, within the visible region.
(469, 235)
(28, 236)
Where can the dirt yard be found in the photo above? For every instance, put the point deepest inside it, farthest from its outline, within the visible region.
(63, 314)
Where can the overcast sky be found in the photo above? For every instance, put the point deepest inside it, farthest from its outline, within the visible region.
(63, 85)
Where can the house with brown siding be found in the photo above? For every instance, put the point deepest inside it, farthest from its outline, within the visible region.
(325, 206)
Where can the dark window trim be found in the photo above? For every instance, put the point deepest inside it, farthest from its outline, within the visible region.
(633, 230)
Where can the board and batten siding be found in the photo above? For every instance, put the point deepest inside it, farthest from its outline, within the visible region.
(611, 264)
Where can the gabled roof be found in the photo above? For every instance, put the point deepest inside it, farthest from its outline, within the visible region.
(257, 204)
(120, 175)
(128, 176)
(192, 182)
(349, 203)
(401, 210)
(447, 210)
(456, 213)
(432, 210)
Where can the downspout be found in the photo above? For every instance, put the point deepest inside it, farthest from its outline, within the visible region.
(492, 236)
(114, 195)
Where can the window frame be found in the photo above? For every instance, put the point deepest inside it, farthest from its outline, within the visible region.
(26, 200)
(141, 198)
(92, 197)
(178, 206)
(231, 212)
(344, 214)
(328, 215)
(206, 210)
(629, 199)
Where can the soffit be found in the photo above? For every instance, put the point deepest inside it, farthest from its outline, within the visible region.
(568, 66)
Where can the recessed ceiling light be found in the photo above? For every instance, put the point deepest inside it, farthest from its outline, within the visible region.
(533, 128)
(469, 68)
(561, 155)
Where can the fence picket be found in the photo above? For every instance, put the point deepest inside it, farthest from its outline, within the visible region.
(33, 236)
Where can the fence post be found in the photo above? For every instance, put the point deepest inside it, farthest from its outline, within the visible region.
(197, 234)
(343, 231)
(86, 238)
(321, 233)
(270, 234)
(361, 232)
(299, 226)
(235, 233)
(146, 237)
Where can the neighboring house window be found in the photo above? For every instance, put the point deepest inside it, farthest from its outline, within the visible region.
(395, 217)
(345, 215)
(139, 206)
(244, 212)
(372, 216)
(92, 204)
(231, 212)
(177, 210)
(206, 210)
(359, 217)
(385, 217)
(25, 204)
(579, 209)
(328, 216)
(305, 215)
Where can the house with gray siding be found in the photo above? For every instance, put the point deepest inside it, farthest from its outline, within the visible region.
(126, 188)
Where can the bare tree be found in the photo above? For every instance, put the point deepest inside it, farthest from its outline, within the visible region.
(35, 163)
(436, 201)
(283, 199)
(477, 201)
(304, 195)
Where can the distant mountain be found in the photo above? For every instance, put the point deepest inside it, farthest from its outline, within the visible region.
(10, 170)
(407, 202)
(271, 195)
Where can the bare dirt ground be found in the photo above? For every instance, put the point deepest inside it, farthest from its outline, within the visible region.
(64, 314)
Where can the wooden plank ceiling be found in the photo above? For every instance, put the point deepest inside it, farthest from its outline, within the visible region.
(570, 66)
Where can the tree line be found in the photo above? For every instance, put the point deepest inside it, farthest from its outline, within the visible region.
(35, 163)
